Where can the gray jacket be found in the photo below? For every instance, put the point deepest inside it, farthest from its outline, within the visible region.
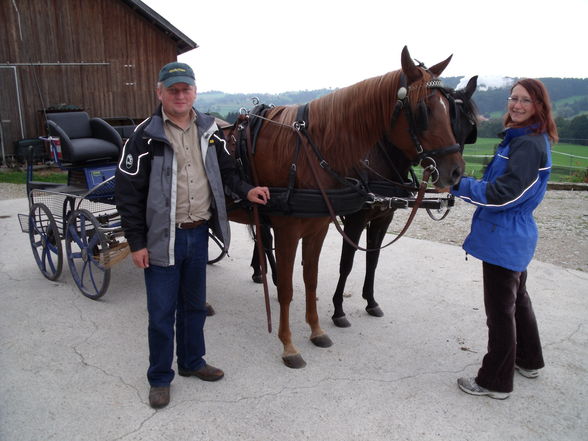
(146, 186)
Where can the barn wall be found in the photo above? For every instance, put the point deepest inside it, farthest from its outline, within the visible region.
(99, 55)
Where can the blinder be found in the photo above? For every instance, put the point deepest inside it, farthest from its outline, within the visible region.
(422, 117)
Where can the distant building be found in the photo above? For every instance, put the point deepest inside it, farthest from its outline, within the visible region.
(102, 56)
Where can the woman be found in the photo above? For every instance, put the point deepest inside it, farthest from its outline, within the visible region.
(504, 235)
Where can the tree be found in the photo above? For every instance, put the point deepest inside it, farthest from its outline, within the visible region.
(579, 127)
(490, 128)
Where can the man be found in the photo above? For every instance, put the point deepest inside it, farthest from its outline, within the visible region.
(170, 185)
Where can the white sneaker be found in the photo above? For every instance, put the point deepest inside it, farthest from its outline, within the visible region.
(529, 373)
(469, 386)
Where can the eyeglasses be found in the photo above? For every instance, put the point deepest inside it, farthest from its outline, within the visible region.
(521, 101)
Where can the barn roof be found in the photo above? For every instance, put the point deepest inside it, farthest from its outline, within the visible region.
(184, 44)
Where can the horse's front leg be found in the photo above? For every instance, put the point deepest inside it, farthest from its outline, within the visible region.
(375, 236)
(286, 244)
(354, 226)
(311, 250)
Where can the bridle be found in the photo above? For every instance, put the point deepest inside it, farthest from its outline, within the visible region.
(419, 123)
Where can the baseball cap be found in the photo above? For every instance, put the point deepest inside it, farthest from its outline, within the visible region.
(175, 72)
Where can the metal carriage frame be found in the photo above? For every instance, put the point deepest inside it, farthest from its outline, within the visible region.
(78, 222)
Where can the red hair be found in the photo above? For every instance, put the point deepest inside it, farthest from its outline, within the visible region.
(543, 117)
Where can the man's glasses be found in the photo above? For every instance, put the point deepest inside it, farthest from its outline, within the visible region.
(522, 101)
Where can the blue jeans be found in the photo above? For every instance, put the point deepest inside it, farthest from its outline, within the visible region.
(177, 295)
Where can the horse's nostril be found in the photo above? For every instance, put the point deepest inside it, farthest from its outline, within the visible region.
(456, 175)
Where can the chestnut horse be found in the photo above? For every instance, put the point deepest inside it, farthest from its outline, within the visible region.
(345, 125)
(389, 164)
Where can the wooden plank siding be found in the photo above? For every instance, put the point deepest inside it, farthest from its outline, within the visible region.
(100, 55)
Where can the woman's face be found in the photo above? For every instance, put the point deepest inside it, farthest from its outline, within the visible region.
(520, 105)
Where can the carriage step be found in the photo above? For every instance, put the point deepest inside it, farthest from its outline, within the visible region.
(23, 219)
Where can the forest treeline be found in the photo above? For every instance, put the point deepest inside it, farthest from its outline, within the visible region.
(569, 97)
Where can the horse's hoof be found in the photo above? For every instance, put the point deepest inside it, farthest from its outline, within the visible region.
(257, 278)
(210, 310)
(375, 311)
(322, 341)
(341, 322)
(294, 361)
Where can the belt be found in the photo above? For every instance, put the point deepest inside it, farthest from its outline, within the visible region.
(190, 225)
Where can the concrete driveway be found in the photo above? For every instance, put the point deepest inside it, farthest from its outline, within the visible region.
(74, 369)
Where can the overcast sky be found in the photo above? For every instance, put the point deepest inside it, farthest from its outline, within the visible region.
(272, 46)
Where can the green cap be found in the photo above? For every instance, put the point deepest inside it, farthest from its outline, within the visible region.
(175, 72)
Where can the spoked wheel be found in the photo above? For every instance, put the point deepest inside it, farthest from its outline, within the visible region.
(216, 249)
(45, 241)
(85, 247)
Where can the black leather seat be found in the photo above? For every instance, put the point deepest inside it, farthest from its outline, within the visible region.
(84, 140)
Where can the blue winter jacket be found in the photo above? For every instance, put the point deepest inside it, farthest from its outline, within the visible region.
(503, 229)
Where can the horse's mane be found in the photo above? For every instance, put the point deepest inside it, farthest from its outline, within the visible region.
(347, 123)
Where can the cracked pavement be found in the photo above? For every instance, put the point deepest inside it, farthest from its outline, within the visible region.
(74, 369)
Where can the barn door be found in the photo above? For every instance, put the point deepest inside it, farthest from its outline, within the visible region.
(11, 128)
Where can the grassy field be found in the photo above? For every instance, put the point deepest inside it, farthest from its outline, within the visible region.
(570, 161)
(44, 175)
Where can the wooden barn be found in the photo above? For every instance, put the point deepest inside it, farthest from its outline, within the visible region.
(102, 56)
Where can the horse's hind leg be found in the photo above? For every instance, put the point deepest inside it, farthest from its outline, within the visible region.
(375, 236)
(354, 225)
(311, 249)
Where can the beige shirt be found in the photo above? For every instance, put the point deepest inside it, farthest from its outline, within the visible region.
(193, 196)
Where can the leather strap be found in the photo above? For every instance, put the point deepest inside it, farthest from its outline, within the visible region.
(190, 225)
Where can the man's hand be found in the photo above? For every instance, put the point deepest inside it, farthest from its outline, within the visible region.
(258, 195)
(141, 258)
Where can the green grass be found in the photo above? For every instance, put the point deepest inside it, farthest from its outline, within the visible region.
(20, 177)
(570, 161)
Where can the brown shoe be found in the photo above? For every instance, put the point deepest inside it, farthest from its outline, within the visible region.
(206, 373)
(159, 396)
(210, 310)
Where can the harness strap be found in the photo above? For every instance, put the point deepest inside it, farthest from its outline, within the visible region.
(346, 238)
(258, 237)
(301, 127)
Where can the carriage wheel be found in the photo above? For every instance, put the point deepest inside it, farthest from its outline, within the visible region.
(216, 249)
(85, 247)
(45, 241)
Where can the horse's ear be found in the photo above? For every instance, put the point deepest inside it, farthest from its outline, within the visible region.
(471, 86)
(438, 68)
(412, 73)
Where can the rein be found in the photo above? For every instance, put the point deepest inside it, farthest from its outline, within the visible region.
(258, 242)
(333, 215)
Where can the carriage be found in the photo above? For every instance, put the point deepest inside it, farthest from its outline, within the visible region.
(79, 215)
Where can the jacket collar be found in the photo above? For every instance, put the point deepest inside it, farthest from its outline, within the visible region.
(514, 132)
(154, 128)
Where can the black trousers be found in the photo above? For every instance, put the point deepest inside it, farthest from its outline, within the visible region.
(513, 336)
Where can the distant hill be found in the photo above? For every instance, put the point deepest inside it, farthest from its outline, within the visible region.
(569, 96)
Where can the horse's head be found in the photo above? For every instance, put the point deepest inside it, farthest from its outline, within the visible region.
(422, 122)
(464, 113)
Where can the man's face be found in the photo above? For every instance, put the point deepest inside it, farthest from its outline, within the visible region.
(177, 99)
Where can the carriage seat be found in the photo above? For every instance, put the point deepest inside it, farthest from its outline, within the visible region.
(84, 140)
